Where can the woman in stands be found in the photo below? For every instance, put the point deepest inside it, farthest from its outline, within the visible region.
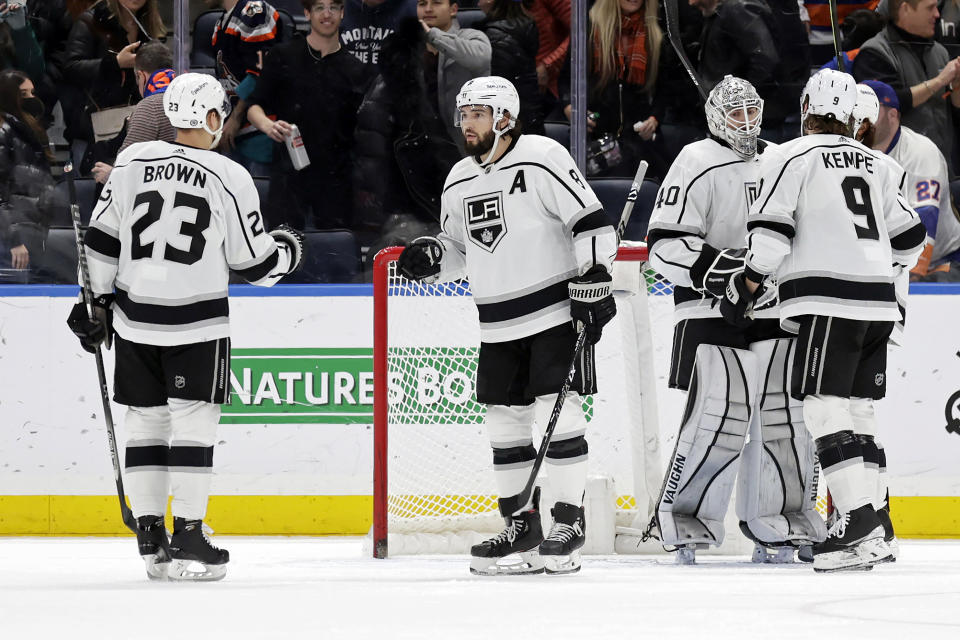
(25, 181)
(99, 62)
(625, 43)
(514, 40)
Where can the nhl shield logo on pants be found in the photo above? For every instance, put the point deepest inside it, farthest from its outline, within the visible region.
(484, 218)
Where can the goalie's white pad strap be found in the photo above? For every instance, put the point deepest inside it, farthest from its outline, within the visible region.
(777, 485)
(697, 486)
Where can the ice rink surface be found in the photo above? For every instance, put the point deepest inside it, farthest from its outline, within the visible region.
(291, 588)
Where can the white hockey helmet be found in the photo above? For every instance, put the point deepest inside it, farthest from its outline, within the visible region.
(495, 92)
(829, 93)
(190, 97)
(867, 107)
(734, 112)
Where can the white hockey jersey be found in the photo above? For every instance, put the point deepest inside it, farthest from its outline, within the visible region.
(520, 229)
(830, 221)
(171, 223)
(704, 199)
(927, 189)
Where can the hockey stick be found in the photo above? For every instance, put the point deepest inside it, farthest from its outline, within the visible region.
(512, 504)
(125, 511)
(672, 19)
(835, 28)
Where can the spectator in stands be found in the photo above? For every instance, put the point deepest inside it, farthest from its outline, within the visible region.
(316, 84)
(26, 185)
(367, 22)
(857, 28)
(19, 48)
(818, 11)
(553, 27)
(52, 21)
(927, 188)
(947, 27)
(905, 56)
(625, 45)
(514, 44)
(401, 141)
(454, 55)
(245, 33)
(154, 72)
(99, 60)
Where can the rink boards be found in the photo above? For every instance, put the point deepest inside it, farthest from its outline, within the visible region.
(294, 453)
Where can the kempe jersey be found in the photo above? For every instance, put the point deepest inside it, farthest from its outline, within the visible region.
(830, 221)
(171, 223)
(520, 229)
(704, 199)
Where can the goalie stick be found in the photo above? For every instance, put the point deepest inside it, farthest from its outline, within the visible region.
(672, 20)
(125, 511)
(512, 504)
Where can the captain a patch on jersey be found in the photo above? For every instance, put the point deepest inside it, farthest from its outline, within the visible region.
(484, 219)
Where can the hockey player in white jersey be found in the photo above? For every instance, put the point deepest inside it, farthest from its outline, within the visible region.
(172, 222)
(828, 223)
(519, 220)
(737, 378)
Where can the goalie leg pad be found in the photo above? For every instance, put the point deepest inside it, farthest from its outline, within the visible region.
(566, 457)
(191, 455)
(776, 486)
(146, 458)
(510, 429)
(697, 486)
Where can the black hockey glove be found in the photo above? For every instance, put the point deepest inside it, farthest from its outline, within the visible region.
(591, 302)
(293, 240)
(714, 269)
(736, 306)
(420, 259)
(93, 333)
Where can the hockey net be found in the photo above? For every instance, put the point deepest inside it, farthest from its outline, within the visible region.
(434, 490)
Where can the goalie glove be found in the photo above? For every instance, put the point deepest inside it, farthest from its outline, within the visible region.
(591, 302)
(293, 241)
(92, 333)
(714, 269)
(421, 259)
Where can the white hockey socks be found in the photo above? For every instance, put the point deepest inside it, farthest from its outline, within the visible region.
(865, 426)
(145, 459)
(566, 457)
(841, 455)
(510, 429)
(194, 426)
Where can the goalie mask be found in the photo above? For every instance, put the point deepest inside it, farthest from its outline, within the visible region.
(734, 113)
(497, 93)
(830, 94)
(190, 97)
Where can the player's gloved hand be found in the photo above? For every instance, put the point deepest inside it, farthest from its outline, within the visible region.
(93, 333)
(293, 240)
(766, 296)
(591, 302)
(736, 306)
(714, 269)
(421, 259)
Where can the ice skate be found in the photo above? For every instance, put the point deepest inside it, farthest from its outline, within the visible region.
(854, 542)
(193, 556)
(686, 554)
(561, 548)
(888, 535)
(521, 537)
(154, 546)
(773, 555)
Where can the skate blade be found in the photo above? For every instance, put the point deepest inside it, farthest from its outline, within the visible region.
(859, 558)
(685, 556)
(778, 555)
(193, 571)
(529, 563)
(157, 566)
(557, 565)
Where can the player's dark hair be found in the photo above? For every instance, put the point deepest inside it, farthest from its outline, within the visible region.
(153, 56)
(826, 124)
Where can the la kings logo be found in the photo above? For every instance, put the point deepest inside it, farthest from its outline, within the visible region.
(484, 219)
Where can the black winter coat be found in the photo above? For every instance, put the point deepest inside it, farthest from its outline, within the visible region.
(26, 187)
(402, 151)
(515, 43)
(90, 66)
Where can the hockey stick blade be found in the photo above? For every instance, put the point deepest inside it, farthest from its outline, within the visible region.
(125, 513)
(672, 20)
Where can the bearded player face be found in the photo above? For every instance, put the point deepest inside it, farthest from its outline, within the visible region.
(476, 124)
